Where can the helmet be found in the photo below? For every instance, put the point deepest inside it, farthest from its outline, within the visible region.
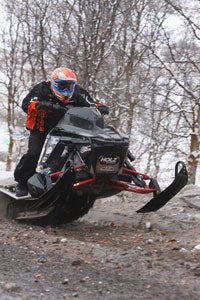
(63, 81)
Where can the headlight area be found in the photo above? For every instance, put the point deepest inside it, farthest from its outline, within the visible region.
(47, 149)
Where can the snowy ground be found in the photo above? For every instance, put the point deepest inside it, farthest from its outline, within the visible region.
(4, 174)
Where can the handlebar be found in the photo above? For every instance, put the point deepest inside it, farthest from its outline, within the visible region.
(46, 105)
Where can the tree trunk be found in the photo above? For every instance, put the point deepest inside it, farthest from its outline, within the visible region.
(9, 156)
(193, 158)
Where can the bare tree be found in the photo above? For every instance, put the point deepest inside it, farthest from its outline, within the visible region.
(181, 61)
(11, 84)
(125, 54)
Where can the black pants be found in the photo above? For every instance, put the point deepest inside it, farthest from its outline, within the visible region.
(28, 163)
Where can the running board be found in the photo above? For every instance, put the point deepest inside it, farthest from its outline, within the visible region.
(181, 179)
(38, 208)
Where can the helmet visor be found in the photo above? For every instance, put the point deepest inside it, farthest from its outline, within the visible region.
(65, 87)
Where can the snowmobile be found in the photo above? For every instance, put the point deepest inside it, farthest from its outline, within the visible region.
(82, 160)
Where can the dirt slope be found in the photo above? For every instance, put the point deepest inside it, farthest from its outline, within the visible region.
(111, 253)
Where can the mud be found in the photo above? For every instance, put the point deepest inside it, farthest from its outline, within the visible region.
(110, 253)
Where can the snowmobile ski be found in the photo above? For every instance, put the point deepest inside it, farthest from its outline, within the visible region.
(181, 179)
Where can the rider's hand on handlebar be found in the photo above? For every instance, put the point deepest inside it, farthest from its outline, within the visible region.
(59, 108)
(104, 110)
(46, 105)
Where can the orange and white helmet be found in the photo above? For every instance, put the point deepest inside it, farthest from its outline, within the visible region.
(63, 81)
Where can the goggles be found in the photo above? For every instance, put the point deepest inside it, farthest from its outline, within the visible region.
(64, 87)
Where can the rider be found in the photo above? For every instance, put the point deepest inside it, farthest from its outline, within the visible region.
(45, 104)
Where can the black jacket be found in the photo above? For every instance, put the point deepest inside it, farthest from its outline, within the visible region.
(43, 92)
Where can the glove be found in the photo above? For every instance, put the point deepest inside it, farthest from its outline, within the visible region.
(59, 108)
(104, 110)
(45, 105)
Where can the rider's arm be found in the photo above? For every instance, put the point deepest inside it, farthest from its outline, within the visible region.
(81, 97)
(40, 92)
(30, 97)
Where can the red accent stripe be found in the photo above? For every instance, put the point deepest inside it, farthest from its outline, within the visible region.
(118, 185)
(86, 181)
(115, 184)
(144, 176)
(56, 174)
(124, 186)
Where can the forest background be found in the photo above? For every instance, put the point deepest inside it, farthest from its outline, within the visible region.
(139, 57)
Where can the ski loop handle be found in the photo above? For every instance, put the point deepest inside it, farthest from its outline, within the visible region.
(183, 169)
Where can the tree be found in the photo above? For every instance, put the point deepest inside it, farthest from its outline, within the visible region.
(125, 54)
(184, 58)
(11, 84)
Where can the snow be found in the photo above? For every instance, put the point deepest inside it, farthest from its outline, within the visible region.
(3, 173)
(6, 174)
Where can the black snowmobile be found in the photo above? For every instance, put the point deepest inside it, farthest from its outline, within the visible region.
(83, 160)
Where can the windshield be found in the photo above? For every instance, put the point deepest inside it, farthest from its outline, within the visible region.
(82, 117)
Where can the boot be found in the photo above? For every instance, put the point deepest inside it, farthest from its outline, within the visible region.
(21, 190)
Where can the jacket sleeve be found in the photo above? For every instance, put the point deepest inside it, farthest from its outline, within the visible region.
(81, 97)
(35, 94)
